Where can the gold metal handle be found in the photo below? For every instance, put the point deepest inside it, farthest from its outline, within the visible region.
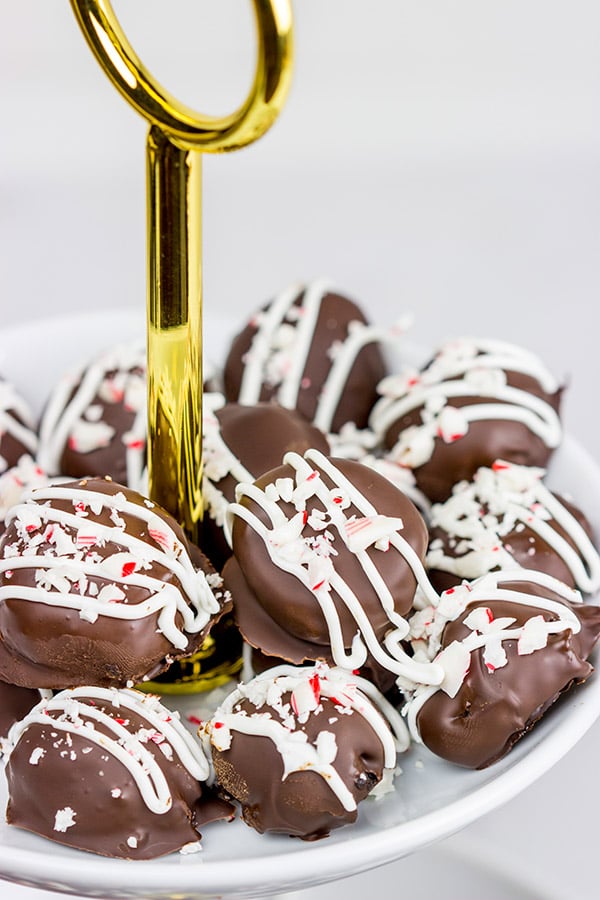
(177, 137)
(185, 127)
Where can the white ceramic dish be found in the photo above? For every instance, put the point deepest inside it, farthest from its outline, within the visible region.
(432, 799)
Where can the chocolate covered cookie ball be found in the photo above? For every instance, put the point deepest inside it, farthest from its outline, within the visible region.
(98, 586)
(240, 443)
(506, 516)
(475, 402)
(509, 644)
(301, 748)
(94, 422)
(113, 772)
(17, 430)
(310, 349)
(327, 558)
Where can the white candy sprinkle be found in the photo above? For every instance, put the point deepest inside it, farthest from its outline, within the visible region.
(533, 637)
(192, 847)
(88, 615)
(36, 756)
(455, 660)
(64, 818)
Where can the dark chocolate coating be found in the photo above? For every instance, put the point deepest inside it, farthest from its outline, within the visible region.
(291, 605)
(77, 773)
(484, 442)
(272, 645)
(492, 711)
(11, 447)
(48, 646)
(520, 544)
(302, 805)
(258, 436)
(15, 703)
(359, 393)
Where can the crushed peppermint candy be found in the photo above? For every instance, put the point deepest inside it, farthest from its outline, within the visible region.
(482, 517)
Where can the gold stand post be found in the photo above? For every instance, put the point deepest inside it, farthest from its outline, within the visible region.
(176, 139)
(175, 330)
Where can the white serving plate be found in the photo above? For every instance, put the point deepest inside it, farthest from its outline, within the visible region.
(432, 800)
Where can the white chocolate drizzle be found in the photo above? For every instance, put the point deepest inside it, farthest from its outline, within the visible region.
(282, 342)
(306, 686)
(311, 559)
(487, 632)
(512, 496)
(75, 711)
(117, 376)
(67, 573)
(465, 367)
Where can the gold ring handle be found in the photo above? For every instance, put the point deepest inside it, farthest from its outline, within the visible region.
(184, 126)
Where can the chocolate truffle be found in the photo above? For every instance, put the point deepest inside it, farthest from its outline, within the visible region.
(300, 748)
(327, 558)
(98, 587)
(506, 516)
(511, 644)
(312, 350)
(476, 401)
(17, 431)
(113, 772)
(94, 422)
(240, 443)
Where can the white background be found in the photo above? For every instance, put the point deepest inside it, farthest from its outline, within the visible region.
(439, 157)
